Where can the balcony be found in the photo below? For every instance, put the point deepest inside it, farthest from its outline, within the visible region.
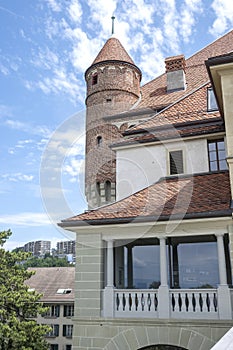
(210, 304)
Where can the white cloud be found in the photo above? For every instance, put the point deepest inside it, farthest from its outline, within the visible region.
(25, 127)
(25, 219)
(75, 11)
(55, 5)
(224, 16)
(16, 177)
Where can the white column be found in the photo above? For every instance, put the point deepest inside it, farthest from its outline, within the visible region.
(163, 292)
(110, 265)
(108, 295)
(221, 260)
(163, 262)
(224, 297)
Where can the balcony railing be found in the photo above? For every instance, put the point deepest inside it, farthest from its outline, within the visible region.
(136, 303)
(194, 303)
(179, 303)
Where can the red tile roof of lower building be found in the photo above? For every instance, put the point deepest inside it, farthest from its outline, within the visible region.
(184, 196)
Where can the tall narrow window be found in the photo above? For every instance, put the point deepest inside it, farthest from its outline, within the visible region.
(211, 100)
(217, 155)
(107, 186)
(95, 79)
(176, 162)
(99, 140)
(67, 330)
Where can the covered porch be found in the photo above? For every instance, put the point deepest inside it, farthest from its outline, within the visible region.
(186, 277)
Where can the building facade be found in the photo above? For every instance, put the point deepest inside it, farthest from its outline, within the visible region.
(38, 248)
(155, 249)
(56, 284)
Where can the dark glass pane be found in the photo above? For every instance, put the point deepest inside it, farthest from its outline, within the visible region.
(198, 265)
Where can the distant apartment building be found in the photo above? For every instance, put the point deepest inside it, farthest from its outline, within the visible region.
(38, 248)
(66, 247)
(56, 284)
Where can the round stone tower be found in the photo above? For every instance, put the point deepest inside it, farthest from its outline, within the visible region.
(113, 86)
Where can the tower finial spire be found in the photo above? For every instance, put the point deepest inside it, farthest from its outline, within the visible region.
(113, 18)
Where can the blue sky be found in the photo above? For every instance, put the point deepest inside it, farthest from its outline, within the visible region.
(45, 48)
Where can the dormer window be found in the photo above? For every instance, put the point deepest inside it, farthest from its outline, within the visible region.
(211, 101)
(95, 79)
(64, 291)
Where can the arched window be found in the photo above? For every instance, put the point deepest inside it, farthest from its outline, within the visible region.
(107, 187)
(99, 140)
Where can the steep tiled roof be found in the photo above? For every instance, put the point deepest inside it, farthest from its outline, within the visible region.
(113, 51)
(47, 281)
(186, 117)
(154, 93)
(161, 133)
(201, 195)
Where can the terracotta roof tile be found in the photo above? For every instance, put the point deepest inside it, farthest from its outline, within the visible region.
(154, 93)
(202, 194)
(113, 51)
(176, 131)
(47, 280)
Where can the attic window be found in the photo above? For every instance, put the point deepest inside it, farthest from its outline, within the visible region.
(64, 291)
(211, 101)
(176, 162)
(95, 79)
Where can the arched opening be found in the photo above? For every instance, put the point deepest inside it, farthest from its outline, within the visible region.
(99, 140)
(98, 192)
(107, 187)
(162, 347)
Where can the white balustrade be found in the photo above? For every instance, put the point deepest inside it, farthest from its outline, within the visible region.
(183, 304)
(194, 303)
(136, 303)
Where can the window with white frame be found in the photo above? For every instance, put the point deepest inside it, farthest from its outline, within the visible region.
(68, 310)
(211, 101)
(54, 332)
(217, 155)
(67, 330)
(53, 311)
(176, 162)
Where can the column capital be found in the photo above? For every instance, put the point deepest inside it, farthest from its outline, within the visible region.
(219, 234)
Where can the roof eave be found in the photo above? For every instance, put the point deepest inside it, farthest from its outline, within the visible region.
(143, 219)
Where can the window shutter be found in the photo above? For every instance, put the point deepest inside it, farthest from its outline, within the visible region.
(176, 162)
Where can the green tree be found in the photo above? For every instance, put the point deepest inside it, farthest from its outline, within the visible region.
(18, 305)
(47, 261)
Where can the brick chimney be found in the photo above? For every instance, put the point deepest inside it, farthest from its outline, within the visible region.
(175, 70)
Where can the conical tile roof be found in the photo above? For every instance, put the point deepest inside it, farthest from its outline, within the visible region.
(113, 51)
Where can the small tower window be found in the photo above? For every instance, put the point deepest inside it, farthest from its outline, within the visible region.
(99, 140)
(94, 79)
(107, 188)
